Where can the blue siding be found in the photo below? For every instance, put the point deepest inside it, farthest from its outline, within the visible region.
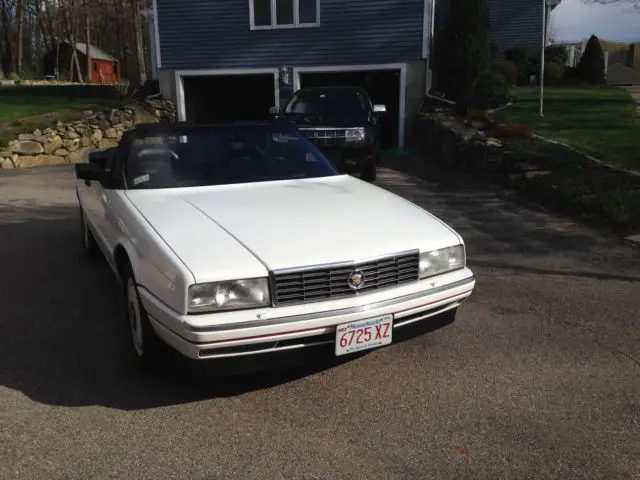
(214, 34)
(516, 22)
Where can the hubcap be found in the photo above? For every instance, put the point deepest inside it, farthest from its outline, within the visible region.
(135, 323)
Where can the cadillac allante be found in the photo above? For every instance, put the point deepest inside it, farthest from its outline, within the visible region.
(237, 240)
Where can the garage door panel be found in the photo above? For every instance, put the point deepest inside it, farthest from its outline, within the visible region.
(228, 98)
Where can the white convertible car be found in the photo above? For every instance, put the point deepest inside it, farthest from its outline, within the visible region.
(244, 239)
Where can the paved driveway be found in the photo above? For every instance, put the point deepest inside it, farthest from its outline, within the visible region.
(538, 378)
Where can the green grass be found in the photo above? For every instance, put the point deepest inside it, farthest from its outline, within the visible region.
(599, 121)
(23, 109)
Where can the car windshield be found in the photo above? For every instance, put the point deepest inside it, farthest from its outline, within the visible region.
(221, 156)
(327, 102)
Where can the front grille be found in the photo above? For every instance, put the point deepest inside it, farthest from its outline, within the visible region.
(331, 282)
(325, 138)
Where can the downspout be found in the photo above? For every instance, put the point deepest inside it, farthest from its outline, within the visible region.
(432, 23)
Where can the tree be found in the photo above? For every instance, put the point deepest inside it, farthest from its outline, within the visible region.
(590, 68)
(463, 49)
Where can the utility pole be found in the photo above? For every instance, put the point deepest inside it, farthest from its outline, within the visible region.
(546, 6)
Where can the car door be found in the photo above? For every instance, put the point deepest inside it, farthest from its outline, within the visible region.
(89, 193)
(96, 198)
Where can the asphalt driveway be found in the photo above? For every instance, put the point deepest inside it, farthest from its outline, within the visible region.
(538, 378)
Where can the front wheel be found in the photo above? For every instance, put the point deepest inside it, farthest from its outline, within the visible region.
(147, 347)
(369, 170)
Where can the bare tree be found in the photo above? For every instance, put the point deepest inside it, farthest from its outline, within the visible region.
(19, 35)
(137, 22)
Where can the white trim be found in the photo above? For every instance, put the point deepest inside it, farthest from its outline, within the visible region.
(402, 106)
(180, 74)
(274, 21)
(425, 29)
(156, 32)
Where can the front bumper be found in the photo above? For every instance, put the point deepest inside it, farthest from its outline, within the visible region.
(210, 336)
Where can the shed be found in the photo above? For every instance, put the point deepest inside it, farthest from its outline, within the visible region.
(104, 67)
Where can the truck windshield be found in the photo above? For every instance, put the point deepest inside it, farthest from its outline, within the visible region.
(224, 155)
(334, 102)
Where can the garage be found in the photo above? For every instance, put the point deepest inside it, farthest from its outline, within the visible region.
(383, 86)
(226, 98)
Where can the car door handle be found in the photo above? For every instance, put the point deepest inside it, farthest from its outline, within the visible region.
(104, 198)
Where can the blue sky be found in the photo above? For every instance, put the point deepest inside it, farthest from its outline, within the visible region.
(573, 20)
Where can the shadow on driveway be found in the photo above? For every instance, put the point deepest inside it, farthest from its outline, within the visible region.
(64, 341)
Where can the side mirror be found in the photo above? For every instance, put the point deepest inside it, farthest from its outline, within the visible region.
(274, 111)
(91, 172)
(379, 109)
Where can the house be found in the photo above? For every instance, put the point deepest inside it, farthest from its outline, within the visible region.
(228, 60)
(623, 66)
(104, 67)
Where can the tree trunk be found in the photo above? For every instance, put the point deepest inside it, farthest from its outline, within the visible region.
(20, 35)
(87, 35)
(137, 22)
(38, 47)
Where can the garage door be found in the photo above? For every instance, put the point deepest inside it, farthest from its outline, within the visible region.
(383, 87)
(228, 98)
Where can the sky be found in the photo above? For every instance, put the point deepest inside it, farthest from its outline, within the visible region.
(573, 20)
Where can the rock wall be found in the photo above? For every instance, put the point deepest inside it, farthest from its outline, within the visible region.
(67, 143)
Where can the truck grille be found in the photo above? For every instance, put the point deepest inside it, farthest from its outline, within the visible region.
(325, 137)
(323, 283)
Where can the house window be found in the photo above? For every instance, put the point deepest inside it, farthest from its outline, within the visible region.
(266, 14)
(95, 67)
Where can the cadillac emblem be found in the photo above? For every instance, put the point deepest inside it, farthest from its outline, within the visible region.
(356, 280)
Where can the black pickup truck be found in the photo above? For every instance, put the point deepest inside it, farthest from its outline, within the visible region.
(341, 122)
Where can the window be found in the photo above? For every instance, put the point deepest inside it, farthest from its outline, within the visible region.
(95, 67)
(334, 102)
(224, 156)
(267, 14)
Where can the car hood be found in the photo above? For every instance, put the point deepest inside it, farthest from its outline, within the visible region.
(221, 232)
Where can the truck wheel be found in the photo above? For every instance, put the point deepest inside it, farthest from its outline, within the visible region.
(147, 346)
(369, 171)
(89, 244)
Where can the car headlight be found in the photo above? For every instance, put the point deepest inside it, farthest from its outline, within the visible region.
(442, 261)
(354, 135)
(229, 295)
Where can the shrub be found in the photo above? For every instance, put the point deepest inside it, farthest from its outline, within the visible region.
(553, 73)
(493, 48)
(570, 76)
(590, 68)
(519, 55)
(509, 70)
(463, 49)
(490, 90)
(556, 54)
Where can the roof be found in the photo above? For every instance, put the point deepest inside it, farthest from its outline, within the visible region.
(96, 53)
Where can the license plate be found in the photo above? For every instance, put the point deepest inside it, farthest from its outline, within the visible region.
(363, 334)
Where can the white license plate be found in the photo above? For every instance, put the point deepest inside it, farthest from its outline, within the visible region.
(363, 334)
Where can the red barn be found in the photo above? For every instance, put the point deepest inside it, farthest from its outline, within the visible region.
(104, 67)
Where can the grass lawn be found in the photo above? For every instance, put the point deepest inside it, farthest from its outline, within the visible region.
(24, 109)
(599, 121)
(19, 102)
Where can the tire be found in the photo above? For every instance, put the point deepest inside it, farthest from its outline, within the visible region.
(89, 244)
(146, 347)
(369, 171)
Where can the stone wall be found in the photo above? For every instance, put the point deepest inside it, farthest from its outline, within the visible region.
(67, 143)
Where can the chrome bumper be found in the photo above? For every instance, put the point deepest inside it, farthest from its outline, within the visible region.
(259, 336)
